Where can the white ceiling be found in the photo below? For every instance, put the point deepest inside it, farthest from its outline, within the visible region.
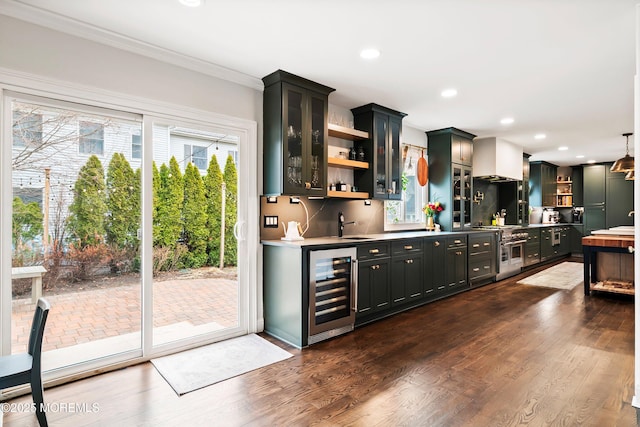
(560, 67)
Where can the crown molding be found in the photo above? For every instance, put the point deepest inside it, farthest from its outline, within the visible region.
(54, 21)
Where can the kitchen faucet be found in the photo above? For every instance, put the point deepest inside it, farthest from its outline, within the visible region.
(341, 223)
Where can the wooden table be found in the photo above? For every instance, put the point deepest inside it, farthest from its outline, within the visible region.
(34, 272)
(591, 245)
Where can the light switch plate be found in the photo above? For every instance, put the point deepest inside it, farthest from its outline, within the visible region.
(271, 221)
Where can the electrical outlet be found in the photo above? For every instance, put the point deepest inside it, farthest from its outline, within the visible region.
(270, 221)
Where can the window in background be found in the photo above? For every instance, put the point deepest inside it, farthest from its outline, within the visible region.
(91, 138)
(197, 155)
(136, 146)
(27, 129)
(407, 213)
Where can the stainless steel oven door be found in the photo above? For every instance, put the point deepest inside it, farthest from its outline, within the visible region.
(516, 256)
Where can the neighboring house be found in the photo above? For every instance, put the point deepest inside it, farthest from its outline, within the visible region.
(56, 142)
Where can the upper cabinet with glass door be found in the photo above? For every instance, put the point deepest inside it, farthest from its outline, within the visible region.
(450, 176)
(295, 135)
(383, 180)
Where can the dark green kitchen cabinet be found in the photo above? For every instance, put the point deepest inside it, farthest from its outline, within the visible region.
(542, 184)
(565, 240)
(547, 249)
(482, 257)
(295, 135)
(595, 207)
(619, 198)
(435, 279)
(383, 179)
(374, 278)
(407, 271)
(451, 176)
(578, 185)
(577, 233)
(456, 264)
(532, 247)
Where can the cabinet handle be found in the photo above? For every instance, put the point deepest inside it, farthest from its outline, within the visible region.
(486, 267)
(457, 242)
(475, 270)
(476, 245)
(408, 247)
(374, 251)
(487, 244)
(458, 253)
(389, 190)
(409, 261)
(436, 243)
(375, 267)
(307, 186)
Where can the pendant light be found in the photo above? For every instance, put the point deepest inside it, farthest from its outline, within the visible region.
(625, 164)
(630, 176)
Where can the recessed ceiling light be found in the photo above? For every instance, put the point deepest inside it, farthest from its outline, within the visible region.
(579, 156)
(563, 148)
(191, 3)
(507, 120)
(370, 53)
(591, 161)
(540, 136)
(449, 93)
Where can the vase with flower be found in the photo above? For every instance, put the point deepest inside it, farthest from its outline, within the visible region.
(431, 209)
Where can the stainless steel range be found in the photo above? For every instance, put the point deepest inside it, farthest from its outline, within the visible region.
(511, 252)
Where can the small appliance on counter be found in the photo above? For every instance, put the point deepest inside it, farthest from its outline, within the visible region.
(549, 216)
(576, 215)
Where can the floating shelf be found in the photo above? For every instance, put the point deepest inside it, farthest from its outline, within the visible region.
(347, 133)
(348, 194)
(347, 164)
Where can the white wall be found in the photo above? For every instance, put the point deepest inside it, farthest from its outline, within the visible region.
(37, 50)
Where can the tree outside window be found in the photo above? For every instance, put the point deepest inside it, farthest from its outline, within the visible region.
(27, 129)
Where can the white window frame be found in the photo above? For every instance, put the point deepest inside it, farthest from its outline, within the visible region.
(248, 200)
(409, 166)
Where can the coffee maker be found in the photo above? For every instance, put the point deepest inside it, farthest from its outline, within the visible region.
(576, 214)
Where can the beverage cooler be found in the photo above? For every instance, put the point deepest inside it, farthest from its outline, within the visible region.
(333, 276)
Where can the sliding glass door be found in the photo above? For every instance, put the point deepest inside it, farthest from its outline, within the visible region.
(132, 226)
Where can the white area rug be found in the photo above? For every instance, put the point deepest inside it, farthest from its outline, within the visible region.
(561, 276)
(193, 369)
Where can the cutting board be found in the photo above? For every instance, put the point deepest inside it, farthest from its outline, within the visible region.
(423, 170)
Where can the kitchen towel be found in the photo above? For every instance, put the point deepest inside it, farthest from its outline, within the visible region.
(561, 276)
(200, 367)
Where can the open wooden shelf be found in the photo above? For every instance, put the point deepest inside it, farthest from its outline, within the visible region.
(347, 133)
(347, 164)
(348, 194)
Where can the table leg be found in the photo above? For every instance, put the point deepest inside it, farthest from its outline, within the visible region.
(586, 259)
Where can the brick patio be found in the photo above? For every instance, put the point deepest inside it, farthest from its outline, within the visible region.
(94, 314)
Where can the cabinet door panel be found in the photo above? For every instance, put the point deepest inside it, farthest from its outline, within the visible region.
(317, 158)
(393, 152)
(380, 141)
(293, 106)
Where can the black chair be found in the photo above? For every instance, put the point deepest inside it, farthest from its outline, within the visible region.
(25, 368)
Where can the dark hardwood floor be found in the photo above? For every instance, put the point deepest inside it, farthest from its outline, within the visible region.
(500, 355)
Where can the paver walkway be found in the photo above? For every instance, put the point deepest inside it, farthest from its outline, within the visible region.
(94, 314)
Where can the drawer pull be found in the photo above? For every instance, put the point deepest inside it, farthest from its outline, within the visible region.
(475, 270)
(409, 261)
(375, 267)
(457, 242)
(476, 245)
(487, 244)
(436, 243)
(458, 253)
(374, 251)
(486, 267)
(408, 247)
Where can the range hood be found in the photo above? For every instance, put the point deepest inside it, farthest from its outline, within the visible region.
(497, 160)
